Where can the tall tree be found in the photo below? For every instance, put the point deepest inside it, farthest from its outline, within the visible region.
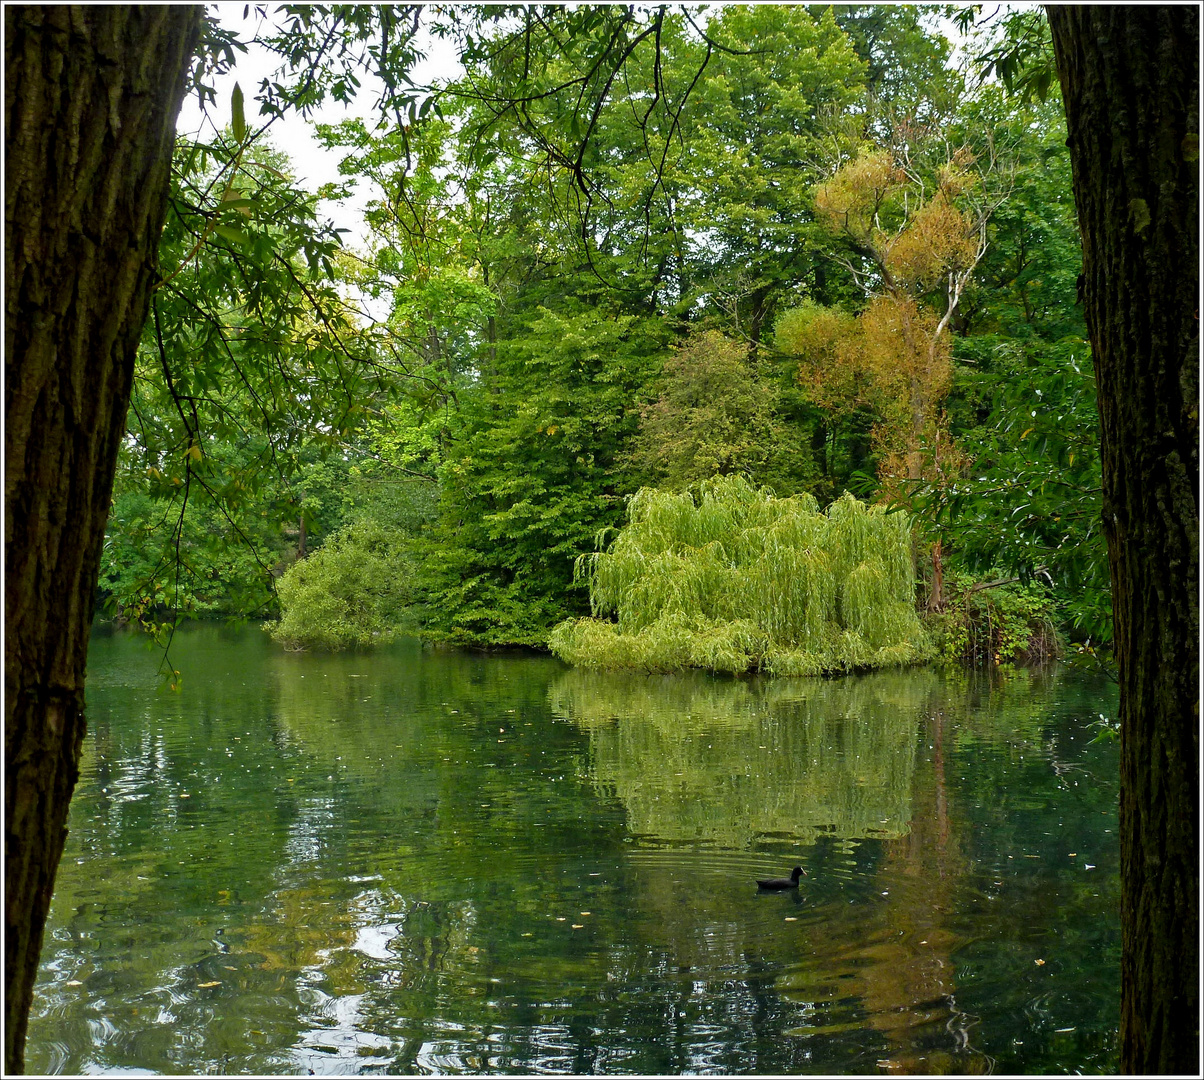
(90, 105)
(1130, 78)
(907, 243)
(534, 470)
(752, 128)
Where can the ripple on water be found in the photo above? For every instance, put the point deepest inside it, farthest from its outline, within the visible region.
(92, 1068)
(55, 1054)
(294, 877)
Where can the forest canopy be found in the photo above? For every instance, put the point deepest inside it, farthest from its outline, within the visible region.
(789, 244)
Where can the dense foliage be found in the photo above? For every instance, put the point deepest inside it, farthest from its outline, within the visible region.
(996, 622)
(359, 588)
(737, 580)
(757, 246)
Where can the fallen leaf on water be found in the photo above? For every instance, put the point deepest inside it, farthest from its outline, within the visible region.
(1038, 962)
(205, 986)
(578, 926)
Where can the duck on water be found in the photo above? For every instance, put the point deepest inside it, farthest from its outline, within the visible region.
(782, 882)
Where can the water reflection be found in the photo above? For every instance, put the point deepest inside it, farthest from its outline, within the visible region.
(422, 862)
(693, 762)
(729, 763)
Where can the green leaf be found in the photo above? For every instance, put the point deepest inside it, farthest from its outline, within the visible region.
(231, 233)
(238, 121)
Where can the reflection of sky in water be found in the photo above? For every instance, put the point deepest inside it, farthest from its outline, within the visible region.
(373, 941)
(336, 1044)
(305, 835)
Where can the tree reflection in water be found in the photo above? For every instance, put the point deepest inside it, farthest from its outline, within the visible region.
(722, 766)
(420, 860)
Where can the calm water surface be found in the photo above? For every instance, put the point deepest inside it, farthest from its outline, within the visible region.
(431, 862)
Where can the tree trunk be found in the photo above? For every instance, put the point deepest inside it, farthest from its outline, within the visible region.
(936, 593)
(1129, 79)
(91, 99)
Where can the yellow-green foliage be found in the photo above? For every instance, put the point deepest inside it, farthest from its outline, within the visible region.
(736, 580)
(732, 764)
(354, 591)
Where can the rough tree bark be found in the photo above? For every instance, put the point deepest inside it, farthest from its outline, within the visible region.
(1130, 82)
(90, 105)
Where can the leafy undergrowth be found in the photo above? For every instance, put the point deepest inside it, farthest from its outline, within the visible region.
(992, 624)
(354, 591)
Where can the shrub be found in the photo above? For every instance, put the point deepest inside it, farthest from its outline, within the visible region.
(355, 590)
(1004, 623)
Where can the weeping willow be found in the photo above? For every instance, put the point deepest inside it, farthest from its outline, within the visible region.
(736, 580)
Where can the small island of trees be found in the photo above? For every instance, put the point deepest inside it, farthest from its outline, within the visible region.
(742, 581)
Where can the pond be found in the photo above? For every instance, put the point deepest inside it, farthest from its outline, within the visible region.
(423, 861)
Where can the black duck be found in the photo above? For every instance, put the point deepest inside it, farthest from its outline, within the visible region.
(790, 882)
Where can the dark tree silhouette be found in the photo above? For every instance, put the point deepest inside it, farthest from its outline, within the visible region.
(90, 105)
(1129, 78)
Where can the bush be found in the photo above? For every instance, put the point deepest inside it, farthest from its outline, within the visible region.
(355, 590)
(1006, 623)
(737, 580)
